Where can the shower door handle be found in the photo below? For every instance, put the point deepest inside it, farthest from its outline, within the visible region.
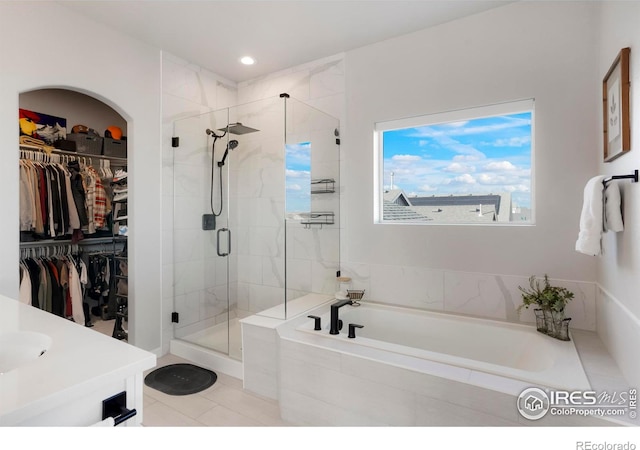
(228, 242)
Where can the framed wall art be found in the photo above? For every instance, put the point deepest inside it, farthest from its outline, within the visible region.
(615, 108)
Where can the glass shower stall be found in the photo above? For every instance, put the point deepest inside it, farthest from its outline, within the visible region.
(256, 190)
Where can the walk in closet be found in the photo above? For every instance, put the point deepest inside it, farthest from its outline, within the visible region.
(73, 209)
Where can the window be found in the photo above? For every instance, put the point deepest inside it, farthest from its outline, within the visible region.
(471, 166)
(298, 179)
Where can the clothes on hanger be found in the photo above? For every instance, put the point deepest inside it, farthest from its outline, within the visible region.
(54, 284)
(58, 200)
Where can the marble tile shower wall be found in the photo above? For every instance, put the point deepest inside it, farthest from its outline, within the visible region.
(312, 256)
(483, 295)
(257, 212)
(187, 90)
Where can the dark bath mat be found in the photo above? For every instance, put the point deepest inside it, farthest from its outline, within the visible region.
(180, 379)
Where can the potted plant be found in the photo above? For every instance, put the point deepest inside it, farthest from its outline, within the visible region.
(550, 302)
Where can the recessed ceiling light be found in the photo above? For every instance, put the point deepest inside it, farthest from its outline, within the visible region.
(247, 60)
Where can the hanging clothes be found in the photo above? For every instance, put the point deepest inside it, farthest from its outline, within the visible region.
(58, 200)
(75, 292)
(25, 285)
(55, 284)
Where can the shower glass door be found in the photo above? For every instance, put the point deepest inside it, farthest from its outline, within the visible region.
(235, 268)
(201, 235)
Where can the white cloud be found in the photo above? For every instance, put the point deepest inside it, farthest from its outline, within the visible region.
(518, 141)
(439, 131)
(469, 158)
(298, 173)
(499, 166)
(464, 179)
(406, 158)
(426, 188)
(517, 188)
(459, 148)
(456, 167)
(294, 187)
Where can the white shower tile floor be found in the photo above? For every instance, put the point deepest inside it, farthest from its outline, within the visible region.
(216, 338)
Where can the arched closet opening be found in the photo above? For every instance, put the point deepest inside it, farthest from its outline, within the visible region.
(73, 209)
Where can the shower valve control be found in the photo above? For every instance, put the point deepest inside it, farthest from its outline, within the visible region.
(208, 222)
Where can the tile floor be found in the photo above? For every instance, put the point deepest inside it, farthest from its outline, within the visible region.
(225, 404)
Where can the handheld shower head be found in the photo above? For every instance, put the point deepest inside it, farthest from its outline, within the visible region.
(230, 146)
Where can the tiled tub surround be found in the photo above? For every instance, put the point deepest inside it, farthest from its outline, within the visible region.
(464, 342)
(335, 381)
(325, 380)
(493, 296)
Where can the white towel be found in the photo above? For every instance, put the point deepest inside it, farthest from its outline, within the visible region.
(612, 213)
(591, 220)
(108, 422)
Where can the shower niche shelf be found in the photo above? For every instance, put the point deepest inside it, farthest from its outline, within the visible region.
(323, 186)
(318, 218)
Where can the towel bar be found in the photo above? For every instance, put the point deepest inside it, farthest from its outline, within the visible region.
(115, 407)
(633, 176)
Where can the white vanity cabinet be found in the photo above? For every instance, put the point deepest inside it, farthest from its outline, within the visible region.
(67, 384)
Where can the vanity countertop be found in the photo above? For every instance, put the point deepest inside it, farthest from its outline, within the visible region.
(78, 362)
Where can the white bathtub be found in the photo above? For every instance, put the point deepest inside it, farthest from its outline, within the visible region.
(512, 351)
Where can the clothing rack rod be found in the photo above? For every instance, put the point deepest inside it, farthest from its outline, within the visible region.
(81, 155)
(48, 242)
(633, 176)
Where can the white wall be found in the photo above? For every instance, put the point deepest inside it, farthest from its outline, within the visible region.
(619, 265)
(59, 49)
(541, 50)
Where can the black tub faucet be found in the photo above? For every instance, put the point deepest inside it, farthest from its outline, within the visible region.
(335, 321)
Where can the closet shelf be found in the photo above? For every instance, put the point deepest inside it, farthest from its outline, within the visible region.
(76, 154)
(51, 242)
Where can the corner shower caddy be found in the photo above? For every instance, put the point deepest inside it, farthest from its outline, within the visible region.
(318, 218)
(323, 186)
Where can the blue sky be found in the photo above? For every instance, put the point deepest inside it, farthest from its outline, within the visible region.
(478, 156)
(298, 177)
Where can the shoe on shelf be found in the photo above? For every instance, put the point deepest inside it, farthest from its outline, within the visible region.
(118, 197)
(119, 175)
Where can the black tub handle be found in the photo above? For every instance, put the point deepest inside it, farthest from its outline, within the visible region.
(317, 320)
(352, 329)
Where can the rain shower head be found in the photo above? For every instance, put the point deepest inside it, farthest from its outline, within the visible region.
(238, 128)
